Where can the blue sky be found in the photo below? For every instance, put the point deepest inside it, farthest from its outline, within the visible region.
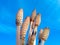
(50, 12)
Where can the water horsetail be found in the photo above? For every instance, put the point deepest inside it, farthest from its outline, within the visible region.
(25, 28)
(19, 19)
(22, 28)
(37, 22)
(32, 21)
(32, 18)
(44, 35)
(41, 31)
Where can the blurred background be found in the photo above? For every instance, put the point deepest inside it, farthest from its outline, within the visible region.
(50, 12)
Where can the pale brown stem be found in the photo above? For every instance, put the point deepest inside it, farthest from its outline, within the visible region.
(18, 35)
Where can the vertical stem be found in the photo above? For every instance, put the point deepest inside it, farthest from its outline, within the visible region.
(42, 43)
(35, 35)
(30, 32)
(18, 35)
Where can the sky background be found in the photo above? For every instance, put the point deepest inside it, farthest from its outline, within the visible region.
(50, 12)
